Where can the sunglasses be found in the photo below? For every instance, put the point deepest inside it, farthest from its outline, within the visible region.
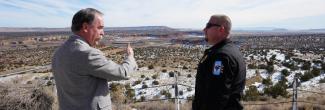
(209, 25)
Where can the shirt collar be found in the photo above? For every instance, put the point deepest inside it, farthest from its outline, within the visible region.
(217, 46)
(73, 37)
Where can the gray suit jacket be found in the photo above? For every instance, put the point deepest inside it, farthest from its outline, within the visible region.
(82, 72)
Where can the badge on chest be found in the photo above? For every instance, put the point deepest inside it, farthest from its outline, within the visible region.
(217, 68)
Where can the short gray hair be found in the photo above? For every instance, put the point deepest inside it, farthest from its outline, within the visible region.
(223, 20)
(83, 16)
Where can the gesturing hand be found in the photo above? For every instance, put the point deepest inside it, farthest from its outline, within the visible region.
(129, 50)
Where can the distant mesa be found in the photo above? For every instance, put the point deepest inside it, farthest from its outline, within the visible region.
(316, 30)
(43, 29)
(157, 29)
(259, 29)
(279, 29)
(140, 28)
(36, 29)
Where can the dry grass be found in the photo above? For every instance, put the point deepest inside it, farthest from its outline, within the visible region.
(268, 107)
(318, 99)
(168, 105)
(18, 96)
(32, 97)
(158, 105)
(25, 97)
(254, 79)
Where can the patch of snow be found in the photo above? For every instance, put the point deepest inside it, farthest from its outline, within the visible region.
(143, 68)
(260, 87)
(290, 78)
(9, 78)
(314, 82)
(250, 73)
(280, 68)
(163, 76)
(279, 56)
(276, 77)
(263, 73)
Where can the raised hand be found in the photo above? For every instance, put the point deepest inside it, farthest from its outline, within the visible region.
(129, 50)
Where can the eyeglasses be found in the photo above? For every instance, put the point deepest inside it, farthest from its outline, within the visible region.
(209, 25)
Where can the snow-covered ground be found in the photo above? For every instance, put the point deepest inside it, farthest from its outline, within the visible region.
(252, 72)
(276, 75)
(279, 55)
(312, 83)
(260, 87)
(165, 81)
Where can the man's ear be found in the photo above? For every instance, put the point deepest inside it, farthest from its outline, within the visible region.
(85, 27)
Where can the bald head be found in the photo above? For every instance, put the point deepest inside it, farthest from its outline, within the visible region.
(217, 29)
(221, 20)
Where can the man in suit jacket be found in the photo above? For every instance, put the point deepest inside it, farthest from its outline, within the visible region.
(82, 72)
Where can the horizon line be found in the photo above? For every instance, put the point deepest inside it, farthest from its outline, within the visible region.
(234, 28)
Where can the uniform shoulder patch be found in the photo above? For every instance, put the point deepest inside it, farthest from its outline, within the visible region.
(217, 68)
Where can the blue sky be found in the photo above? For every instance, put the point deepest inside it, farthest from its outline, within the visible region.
(291, 14)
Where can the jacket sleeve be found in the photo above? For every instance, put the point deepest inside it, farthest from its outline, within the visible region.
(227, 70)
(230, 91)
(96, 64)
(221, 77)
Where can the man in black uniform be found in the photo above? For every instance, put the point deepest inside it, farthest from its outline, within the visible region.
(221, 72)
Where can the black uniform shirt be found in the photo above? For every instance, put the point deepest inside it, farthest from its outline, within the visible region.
(220, 78)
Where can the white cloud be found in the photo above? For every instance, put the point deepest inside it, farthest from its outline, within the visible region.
(281, 10)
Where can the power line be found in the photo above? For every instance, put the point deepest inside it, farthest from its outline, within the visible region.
(153, 100)
(282, 103)
(163, 86)
(311, 91)
(25, 71)
(186, 85)
(152, 87)
(311, 102)
(270, 103)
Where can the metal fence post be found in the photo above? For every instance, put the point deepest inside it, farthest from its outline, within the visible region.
(294, 92)
(176, 93)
